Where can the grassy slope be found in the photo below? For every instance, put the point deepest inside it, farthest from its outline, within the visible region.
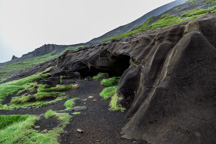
(167, 20)
(18, 129)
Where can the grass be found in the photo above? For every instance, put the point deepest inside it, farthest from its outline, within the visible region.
(210, 1)
(191, 1)
(49, 114)
(111, 81)
(111, 92)
(19, 130)
(114, 104)
(100, 75)
(166, 21)
(6, 120)
(43, 95)
(21, 99)
(70, 103)
(76, 113)
(57, 88)
(36, 60)
(198, 12)
(141, 28)
(10, 88)
(108, 92)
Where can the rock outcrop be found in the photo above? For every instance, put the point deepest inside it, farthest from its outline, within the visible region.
(168, 80)
(14, 57)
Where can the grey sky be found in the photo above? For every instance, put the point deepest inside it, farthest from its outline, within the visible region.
(28, 24)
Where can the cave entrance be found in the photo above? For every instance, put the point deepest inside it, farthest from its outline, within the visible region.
(114, 66)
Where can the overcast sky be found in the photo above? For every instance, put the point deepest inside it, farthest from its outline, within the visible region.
(28, 24)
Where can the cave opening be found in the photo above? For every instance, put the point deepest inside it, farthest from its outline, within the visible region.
(114, 66)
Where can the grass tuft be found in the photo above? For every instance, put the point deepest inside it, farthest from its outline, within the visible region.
(70, 103)
(108, 92)
(100, 75)
(43, 95)
(49, 114)
(111, 81)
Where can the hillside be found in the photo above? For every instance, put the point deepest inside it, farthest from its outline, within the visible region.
(154, 84)
(136, 23)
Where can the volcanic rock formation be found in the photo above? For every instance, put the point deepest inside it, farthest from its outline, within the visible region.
(168, 80)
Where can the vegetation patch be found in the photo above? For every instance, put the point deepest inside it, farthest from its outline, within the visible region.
(21, 99)
(114, 103)
(36, 60)
(57, 88)
(100, 75)
(49, 114)
(43, 95)
(76, 113)
(70, 103)
(10, 88)
(192, 1)
(108, 92)
(111, 81)
(18, 129)
(198, 12)
(210, 1)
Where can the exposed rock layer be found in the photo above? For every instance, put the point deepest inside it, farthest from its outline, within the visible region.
(168, 80)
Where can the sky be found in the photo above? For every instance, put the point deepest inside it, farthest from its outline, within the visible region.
(28, 24)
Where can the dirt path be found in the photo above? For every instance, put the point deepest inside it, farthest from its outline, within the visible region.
(99, 124)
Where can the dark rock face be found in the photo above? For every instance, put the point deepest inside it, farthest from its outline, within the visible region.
(168, 80)
(14, 57)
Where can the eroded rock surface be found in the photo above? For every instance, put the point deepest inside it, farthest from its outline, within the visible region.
(168, 80)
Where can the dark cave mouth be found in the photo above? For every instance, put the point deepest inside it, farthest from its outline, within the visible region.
(116, 67)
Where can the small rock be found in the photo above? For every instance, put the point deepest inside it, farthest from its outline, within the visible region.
(84, 100)
(91, 97)
(94, 100)
(80, 130)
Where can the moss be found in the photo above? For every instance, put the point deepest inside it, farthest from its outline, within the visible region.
(10, 88)
(114, 103)
(166, 21)
(57, 88)
(42, 95)
(198, 12)
(210, 1)
(132, 32)
(20, 131)
(191, 1)
(111, 81)
(108, 92)
(100, 75)
(70, 103)
(76, 113)
(21, 99)
(49, 114)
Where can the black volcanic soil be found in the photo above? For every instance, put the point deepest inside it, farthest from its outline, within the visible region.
(99, 124)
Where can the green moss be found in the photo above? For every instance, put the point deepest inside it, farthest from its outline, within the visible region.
(198, 12)
(6, 120)
(192, 1)
(57, 88)
(166, 21)
(21, 99)
(108, 92)
(21, 132)
(100, 75)
(177, 8)
(42, 95)
(114, 103)
(132, 32)
(210, 1)
(70, 103)
(49, 114)
(76, 113)
(36, 60)
(10, 88)
(111, 81)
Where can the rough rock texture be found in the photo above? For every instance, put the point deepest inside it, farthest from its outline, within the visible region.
(168, 80)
